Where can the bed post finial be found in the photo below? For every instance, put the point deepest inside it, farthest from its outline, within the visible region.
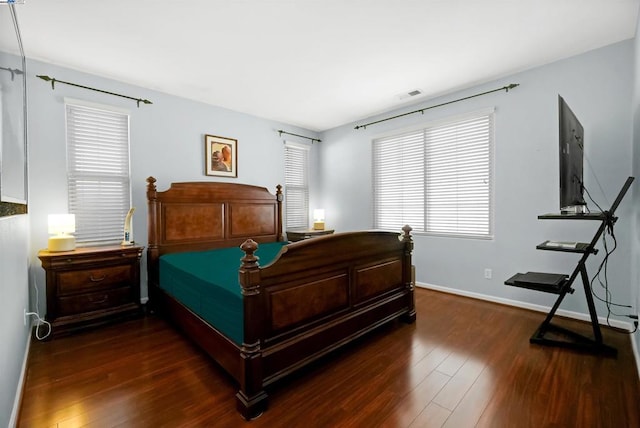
(151, 185)
(279, 198)
(406, 236)
(250, 260)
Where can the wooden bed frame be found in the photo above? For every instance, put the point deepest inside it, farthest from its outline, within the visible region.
(319, 294)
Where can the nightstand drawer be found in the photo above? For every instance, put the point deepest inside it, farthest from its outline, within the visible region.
(93, 301)
(93, 279)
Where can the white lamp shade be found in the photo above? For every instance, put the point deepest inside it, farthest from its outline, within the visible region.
(61, 225)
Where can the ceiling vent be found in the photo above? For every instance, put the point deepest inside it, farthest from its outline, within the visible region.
(410, 94)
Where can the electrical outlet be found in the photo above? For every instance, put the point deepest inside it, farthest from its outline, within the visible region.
(488, 273)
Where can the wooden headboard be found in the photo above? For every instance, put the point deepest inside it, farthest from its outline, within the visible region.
(204, 215)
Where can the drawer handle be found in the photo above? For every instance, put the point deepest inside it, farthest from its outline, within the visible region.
(104, 299)
(97, 279)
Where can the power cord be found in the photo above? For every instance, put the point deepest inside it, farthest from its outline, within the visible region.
(40, 320)
(602, 270)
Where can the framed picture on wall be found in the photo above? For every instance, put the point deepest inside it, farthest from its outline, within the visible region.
(221, 156)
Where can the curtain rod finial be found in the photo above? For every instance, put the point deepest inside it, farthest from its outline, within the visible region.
(48, 79)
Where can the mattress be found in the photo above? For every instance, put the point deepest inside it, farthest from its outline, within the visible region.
(207, 283)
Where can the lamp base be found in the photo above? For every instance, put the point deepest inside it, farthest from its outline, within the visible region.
(318, 225)
(62, 243)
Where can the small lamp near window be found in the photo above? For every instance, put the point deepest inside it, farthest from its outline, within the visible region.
(61, 225)
(318, 219)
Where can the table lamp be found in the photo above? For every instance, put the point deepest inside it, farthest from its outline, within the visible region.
(61, 225)
(318, 219)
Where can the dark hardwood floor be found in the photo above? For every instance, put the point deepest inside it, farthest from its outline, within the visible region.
(464, 363)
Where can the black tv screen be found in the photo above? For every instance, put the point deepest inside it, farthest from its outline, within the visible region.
(571, 159)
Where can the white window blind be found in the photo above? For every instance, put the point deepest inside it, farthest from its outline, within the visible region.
(296, 185)
(437, 179)
(98, 172)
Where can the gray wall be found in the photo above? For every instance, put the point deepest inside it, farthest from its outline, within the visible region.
(167, 142)
(14, 298)
(596, 86)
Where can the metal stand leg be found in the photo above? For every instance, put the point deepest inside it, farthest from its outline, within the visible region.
(571, 339)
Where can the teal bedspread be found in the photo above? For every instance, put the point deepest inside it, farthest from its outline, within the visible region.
(207, 283)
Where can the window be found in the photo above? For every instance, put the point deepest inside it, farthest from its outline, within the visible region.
(98, 172)
(436, 179)
(296, 188)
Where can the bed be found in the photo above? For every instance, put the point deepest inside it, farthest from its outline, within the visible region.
(296, 301)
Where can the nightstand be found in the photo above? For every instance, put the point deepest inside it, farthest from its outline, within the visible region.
(300, 234)
(91, 286)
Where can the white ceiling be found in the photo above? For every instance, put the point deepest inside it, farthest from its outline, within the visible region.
(316, 64)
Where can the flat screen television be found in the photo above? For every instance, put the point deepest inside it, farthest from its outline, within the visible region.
(571, 160)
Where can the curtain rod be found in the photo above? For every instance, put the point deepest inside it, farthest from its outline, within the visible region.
(53, 82)
(13, 71)
(301, 136)
(504, 88)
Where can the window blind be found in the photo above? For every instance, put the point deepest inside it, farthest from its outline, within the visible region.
(437, 179)
(98, 172)
(399, 199)
(296, 185)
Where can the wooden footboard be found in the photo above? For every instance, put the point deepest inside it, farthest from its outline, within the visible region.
(316, 296)
(319, 295)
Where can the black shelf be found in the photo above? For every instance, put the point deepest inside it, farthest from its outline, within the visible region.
(586, 216)
(581, 247)
(546, 282)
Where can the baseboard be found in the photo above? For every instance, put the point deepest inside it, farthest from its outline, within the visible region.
(13, 421)
(538, 308)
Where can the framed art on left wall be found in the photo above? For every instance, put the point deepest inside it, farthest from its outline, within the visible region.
(221, 156)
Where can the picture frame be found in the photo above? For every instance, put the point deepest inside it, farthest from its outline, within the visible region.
(221, 156)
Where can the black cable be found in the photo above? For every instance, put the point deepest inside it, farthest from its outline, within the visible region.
(610, 220)
(590, 198)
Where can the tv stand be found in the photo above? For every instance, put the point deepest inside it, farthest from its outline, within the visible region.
(561, 284)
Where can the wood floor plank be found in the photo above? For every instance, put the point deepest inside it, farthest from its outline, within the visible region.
(452, 363)
(460, 383)
(448, 369)
(470, 408)
(433, 416)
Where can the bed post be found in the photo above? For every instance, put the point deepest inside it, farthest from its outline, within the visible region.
(407, 274)
(152, 238)
(251, 399)
(279, 198)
